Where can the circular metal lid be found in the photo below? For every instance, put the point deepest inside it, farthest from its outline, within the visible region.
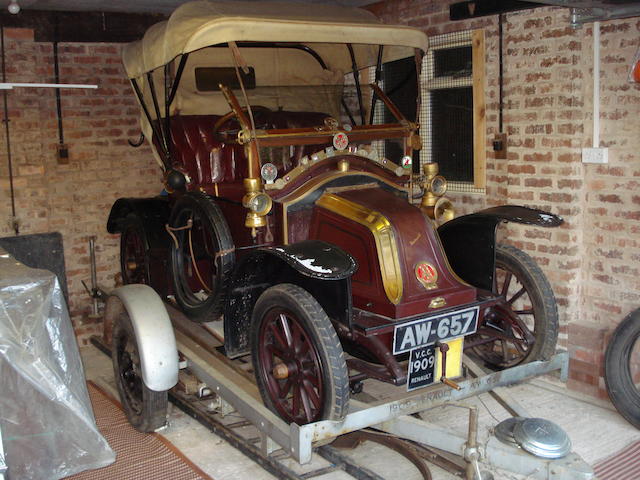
(504, 430)
(542, 438)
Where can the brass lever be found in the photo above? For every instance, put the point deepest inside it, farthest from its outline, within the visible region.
(444, 348)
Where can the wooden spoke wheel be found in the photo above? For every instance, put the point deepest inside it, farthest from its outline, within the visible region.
(134, 252)
(524, 326)
(146, 409)
(298, 360)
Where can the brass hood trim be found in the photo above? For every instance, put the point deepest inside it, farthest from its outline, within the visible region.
(384, 237)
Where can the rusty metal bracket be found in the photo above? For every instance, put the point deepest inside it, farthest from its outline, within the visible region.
(403, 447)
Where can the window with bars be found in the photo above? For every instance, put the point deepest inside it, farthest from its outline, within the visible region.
(398, 80)
(400, 83)
(452, 113)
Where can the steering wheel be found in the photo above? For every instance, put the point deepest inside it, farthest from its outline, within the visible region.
(223, 136)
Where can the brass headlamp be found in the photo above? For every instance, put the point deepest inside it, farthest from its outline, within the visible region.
(257, 203)
(434, 203)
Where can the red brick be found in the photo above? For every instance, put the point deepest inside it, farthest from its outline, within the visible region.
(610, 198)
(572, 184)
(629, 215)
(589, 337)
(559, 32)
(24, 34)
(557, 197)
(519, 169)
(537, 182)
(538, 157)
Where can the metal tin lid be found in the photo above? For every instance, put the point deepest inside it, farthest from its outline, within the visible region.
(504, 430)
(542, 438)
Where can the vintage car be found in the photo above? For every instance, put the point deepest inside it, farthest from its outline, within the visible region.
(291, 209)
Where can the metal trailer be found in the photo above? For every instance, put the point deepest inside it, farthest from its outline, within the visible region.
(233, 391)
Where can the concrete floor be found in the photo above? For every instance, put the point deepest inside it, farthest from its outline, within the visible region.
(594, 427)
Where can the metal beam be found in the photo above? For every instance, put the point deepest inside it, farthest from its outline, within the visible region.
(365, 416)
(223, 381)
(10, 86)
(501, 395)
(582, 11)
(83, 27)
(482, 8)
(391, 417)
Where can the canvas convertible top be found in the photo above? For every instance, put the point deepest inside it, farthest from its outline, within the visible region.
(199, 24)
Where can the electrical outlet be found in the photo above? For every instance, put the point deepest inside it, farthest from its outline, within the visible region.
(62, 154)
(500, 145)
(595, 155)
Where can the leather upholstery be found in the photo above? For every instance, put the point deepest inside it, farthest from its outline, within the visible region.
(207, 160)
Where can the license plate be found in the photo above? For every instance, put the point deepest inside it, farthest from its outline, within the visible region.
(428, 331)
(425, 364)
(422, 366)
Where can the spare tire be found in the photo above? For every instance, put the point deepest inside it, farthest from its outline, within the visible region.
(202, 256)
(621, 368)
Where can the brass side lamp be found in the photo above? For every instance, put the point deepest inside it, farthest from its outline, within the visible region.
(434, 203)
(257, 203)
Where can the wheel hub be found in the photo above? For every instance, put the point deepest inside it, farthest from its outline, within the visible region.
(280, 371)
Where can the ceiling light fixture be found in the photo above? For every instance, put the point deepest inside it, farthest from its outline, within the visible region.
(14, 7)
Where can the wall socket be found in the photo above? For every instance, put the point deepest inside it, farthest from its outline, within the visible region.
(62, 154)
(500, 145)
(595, 155)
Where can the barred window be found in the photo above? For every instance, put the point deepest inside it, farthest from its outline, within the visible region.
(398, 80)
(400, 83)
(452, 112)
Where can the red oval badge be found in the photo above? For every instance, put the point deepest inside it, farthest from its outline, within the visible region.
(340, 141)
(427, 275)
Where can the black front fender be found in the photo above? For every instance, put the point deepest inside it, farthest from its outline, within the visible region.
(153, 214)
(145, 208)
(470, 241)
(322, 269)
(317, 259)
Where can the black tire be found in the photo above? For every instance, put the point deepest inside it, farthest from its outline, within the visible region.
(134, 251)
(622, 351)
(201, 274)
(146, 409)
(524, 327)
(316, 371)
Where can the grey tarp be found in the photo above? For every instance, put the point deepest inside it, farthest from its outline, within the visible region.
(48, 427)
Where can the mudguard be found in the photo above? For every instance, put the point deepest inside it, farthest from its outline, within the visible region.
(316, 259)
(152, 212)
(470, 241)
(322, 269)
(153, 331)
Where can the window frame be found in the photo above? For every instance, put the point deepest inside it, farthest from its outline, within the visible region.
(475, 39)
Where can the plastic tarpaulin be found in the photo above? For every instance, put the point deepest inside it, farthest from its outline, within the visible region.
(48, 427)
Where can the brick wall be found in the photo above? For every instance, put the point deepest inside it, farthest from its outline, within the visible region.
(593, 260)
(73, 199)
(611, 240)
